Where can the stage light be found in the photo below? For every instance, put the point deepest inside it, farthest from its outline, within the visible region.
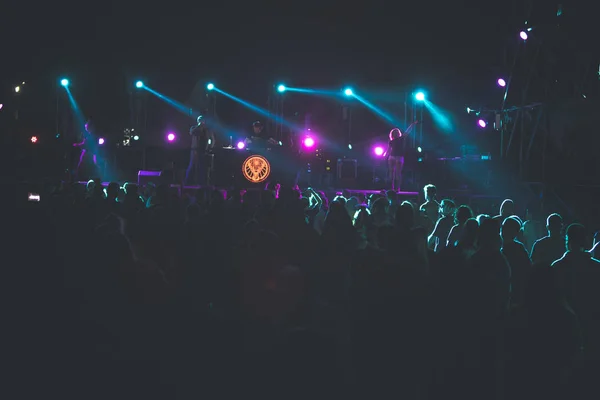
(349, 146)
(420, 96)
(241, 145)
(1, 105)
(34, 139)
(523, 35)
(308, 142)
(210, 86)
(64, 82)
(139, 84)
(101, 141)
(378, 150)
(136, 137)
(481, 123)
(281, 88)
(171, 137)
(501, 82)
(17, 89)
(419, 149)
(348, 92)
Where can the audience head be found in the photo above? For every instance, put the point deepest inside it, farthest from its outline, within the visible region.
(380, 206)
(405, 216)
(430, 192)
(507, 208)
(447, 208)
(576, 237)
(392, 196)
(489, 234)
(469, 233)
(131, 189)
(554, 224)
(90, 186)
(482, 217)
(510, 229)
(463, 213)
(112, 191)
(351, 205)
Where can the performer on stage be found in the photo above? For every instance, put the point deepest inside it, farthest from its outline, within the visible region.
(89, 147)
(258, 137)
(395, 155)
(203, 139)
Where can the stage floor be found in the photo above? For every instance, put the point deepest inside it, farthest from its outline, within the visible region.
(187, 189)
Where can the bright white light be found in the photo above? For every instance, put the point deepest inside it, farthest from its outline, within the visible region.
(348, 92)
(420, 96)
(17, 89)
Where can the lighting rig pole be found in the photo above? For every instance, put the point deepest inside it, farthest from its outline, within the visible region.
(138, 115)
(64, 123)
(279, 112)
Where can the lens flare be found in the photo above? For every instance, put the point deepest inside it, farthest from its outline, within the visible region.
(309, 142)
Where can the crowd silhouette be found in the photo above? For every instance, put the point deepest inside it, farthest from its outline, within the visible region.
(127, 292)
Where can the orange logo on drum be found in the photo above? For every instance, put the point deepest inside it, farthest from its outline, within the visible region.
(256, 169)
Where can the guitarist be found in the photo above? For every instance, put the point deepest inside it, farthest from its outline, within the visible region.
(395, 155)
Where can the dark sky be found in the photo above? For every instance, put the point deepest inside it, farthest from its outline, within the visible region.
(455, 50)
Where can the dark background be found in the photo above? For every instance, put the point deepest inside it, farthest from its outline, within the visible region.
(453, 50)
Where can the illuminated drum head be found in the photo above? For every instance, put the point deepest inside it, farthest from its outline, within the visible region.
(256, 169)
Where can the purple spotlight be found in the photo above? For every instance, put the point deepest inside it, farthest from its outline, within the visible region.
(101, 141)
(241, 145)
(171, 137)
(501, 82)
(482, 123)
(523, 35)
(378, 150)
(309, 142)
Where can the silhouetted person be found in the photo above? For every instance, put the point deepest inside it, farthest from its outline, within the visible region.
(515, 253)
(578, 277)
(395, 155)
(439, 237)
(543, 339)
(463, 213)
(429, 211)
(88, 148)
(202, 140)
(507, 209)
(552, 247)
